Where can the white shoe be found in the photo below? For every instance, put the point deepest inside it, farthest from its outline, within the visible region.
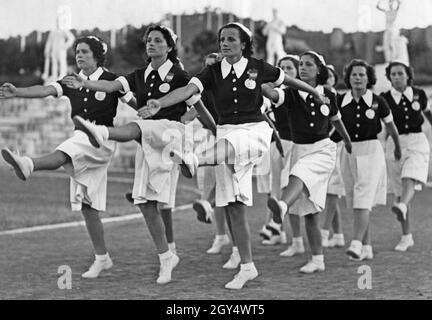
(241, 278)
(233, 262)
(265, 233)
(97, 267)
(166, 268)
(355, 250)
(366, 254)
(23, 166)
(336, 242)
(278, 208)
(203, 210)
(188, 162)
(94, 132)
(312, 266)
(404, 244)
(325, 242)
(293, 250)
(218, 244)
(274, 240)
(400, 210)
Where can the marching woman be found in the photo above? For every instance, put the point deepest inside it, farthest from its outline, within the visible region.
(364, 170)
(242, 134)
(86, 165)
(156, 176)
(280, 166)
(336, 189)
(313, 155)
(407, 104)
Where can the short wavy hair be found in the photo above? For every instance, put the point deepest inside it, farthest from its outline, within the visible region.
(370, 72)
(97, 46)
(244, 37)
(323, 73)
(409, 71)
(166, 33)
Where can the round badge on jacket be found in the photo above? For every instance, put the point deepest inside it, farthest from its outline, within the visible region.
(370, 114)
(250, 84)
(325, 110)
(164, 87)
(100, 96)
(415, 105)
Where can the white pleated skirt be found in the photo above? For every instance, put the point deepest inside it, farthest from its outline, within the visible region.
(250, 142)
(364, 175)
(313, 164)
(336, 184)
(88, 170)
(414, 163)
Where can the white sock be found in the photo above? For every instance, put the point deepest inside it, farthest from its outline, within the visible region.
(284, 206)
(171, 246)
(407, 237)
(165, 255)
(30, 161)
(298, 242)
(325, 233)
(356, 244)
(235, 250)
(318, 258)
(338, 236)
(101, 257)
(247, 266)
(220, 237)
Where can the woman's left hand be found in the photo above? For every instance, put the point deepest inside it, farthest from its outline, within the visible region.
(153, 106)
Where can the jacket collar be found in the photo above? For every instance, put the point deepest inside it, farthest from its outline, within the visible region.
(397, 96)
(367, 98)
(239, 67)
(162, 70)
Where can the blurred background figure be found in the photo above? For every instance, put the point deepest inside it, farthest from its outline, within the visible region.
(59, 40)
(274, 31)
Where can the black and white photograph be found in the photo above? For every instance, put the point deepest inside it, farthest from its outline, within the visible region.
(215, 155)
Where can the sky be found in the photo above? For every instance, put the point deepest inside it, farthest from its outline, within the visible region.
(24, 16)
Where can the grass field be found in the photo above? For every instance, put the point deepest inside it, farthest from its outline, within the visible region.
(29, 262)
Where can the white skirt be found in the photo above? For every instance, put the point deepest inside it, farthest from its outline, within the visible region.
(250, 142)
(313, 164)
(156, 176)
(336, 184)
(364, 174)
(88, 170)
(414, 163)
(274, 176)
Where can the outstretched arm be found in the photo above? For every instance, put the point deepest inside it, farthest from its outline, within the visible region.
(303, 86)
(8, 90)
(270, 93)
(74, 81)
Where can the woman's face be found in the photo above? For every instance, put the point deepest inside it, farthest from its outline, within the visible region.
(230, 43)
(308, 69)
(358, 78)
(84, 57)
(156, 45)
(289, 68)
(398, 77)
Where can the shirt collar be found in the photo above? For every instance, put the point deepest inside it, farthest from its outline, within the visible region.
(162, 70)
(397, 96)
(318, 88)
(94, 76)
(239, 67)
(367, 98)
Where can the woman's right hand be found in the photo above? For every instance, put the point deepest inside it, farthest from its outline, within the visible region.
(7, 90)
(73, 81)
